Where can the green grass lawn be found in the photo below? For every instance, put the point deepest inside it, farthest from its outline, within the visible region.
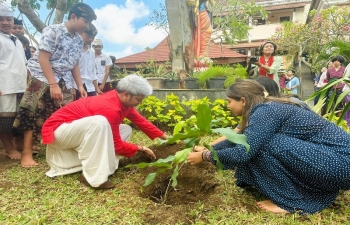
(29, 197)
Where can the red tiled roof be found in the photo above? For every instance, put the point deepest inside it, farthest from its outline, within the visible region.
(286, 6)
(161, 52)
(216, 51)
(246, 45)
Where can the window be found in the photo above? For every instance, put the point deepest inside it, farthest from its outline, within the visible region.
(241, 51)
(284, 18)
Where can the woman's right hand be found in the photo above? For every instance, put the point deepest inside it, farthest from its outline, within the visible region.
(56, 92)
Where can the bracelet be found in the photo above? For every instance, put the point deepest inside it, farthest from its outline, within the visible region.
(206, 156)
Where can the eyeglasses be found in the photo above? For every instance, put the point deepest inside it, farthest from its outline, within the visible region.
(97, 46)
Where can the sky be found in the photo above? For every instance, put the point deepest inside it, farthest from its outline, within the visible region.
(121, 25)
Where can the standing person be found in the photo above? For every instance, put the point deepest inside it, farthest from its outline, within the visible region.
(32, 51)
(88, 135)
(321, 83)
(19, 29)
(51, 70)
(293, 83)
(334, 74)
(103, 64)
(87, 64)
(268, 64)
(282, 79)
(13, 75)
(297, 159)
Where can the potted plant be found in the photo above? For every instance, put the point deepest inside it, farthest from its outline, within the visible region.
(191, 80)
(238, 71)
(171, 81)
(154, 72)
(214, 77)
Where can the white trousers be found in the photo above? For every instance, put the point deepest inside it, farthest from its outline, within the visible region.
(85, 145)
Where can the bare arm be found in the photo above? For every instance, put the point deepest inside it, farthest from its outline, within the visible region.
(44, 61)
(97, 89)
(77, 79)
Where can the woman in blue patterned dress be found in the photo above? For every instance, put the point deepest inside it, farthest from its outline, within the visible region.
(297, 159)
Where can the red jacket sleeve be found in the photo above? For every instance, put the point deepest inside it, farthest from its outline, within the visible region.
(115, 119)
(144, 125)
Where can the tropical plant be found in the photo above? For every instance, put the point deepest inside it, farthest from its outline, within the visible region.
(331, 103)
(151, 68)
(168, 112)
(171, 76)
(191, 135)
(325, 26)
(238, 72)
(229, 72)
(331, 49)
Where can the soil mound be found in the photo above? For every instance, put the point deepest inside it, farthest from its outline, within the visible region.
(195, 183)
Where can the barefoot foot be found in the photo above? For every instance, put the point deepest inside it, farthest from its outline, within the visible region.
(13, 154)
(27, 160)
(269, 206)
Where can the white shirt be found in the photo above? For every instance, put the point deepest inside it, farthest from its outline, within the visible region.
(101, 62)
(13, 72)
(65, 53)
(87, 70)
(347, 77)
(321, 82)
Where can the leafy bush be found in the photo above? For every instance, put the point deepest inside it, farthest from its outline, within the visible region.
(167, 113)
(191, 135)
(230, 72)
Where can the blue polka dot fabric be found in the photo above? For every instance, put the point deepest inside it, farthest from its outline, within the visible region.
(297, 159)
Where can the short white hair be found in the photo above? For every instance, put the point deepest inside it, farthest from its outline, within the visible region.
(135, 85)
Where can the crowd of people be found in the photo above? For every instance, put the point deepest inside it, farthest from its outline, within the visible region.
(44, 99)
(62, 97)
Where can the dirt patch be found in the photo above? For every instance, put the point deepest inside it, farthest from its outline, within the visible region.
(195, 183)
(5, 161)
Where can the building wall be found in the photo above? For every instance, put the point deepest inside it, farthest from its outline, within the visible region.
(274, 17)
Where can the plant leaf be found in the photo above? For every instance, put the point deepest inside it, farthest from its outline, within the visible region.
(346, 108)
(178, 127)
(181, 136)
(190, 142)
(204, 118)
(181, 156)
(170, 158)
(149, 179)
(161, 164)
(174, 176)
(139, 165)
(233, 137)
(215, 156)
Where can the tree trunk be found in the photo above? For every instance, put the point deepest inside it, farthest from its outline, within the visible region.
(61, 8)
(181, 48)
(25, 8)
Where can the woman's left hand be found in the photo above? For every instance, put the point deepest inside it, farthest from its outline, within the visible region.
(194, 158)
